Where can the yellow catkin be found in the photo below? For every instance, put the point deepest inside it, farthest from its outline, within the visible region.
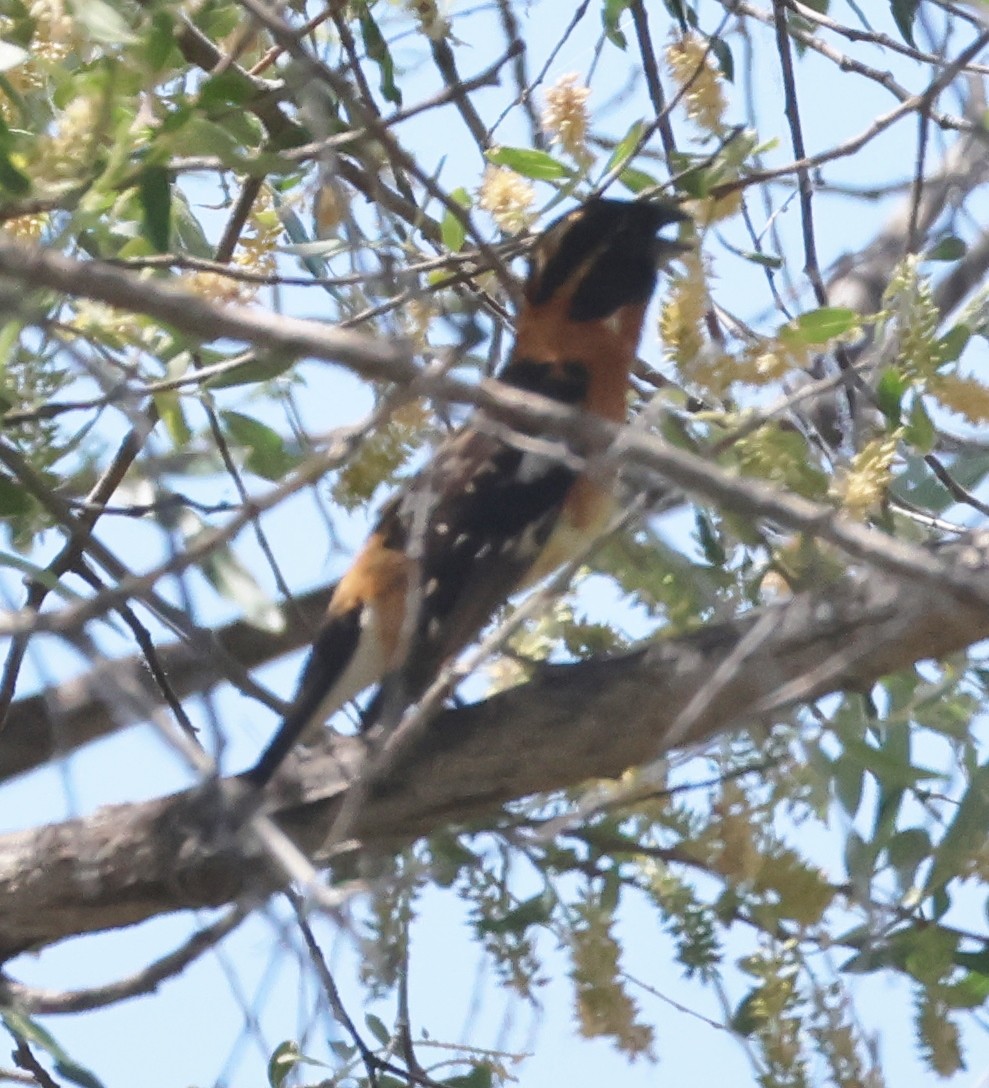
(912, 316)
(767, 361)
(99, 322)
(695, 73)
(603, 1006)
(966, 396)
(863, 485)
(26, 228)
(507, 197)
(565, 116)
(255, 252)
(682, 326)
(68, 150)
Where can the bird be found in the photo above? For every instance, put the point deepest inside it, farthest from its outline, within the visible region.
(487, 515)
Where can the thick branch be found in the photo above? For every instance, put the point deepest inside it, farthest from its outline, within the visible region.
(128, 863)
(59, 720)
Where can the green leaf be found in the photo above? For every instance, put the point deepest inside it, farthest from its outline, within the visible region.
(685, 15)
(964, 834)
(377, 50)
(154, 192)
(920, 431)
(376, 1027)
(722, 54)
(906, 850)
(283, 1060)
(930, 954)
(480, 1076)
(889, 769)
(710, 542)
(14, 500)
(749, 1013)
(12, 178)
(968, 993)
(169, 407)
(41, 575)
(452, 231)
(626, 146)
(159, 43)
(261, 369)
(529, 912)
(876, 956)
(860, 858)
(904, 12)
(267, 456)
(611, 16)
(948, 248)
(636, 180)
(285, 1057)
(849, 781)
(529, 162)
(819, 326)
(30, 1031)
(889, 394)
(954, 342)
(103, 22)
(227, 88)
(189, 236)
(198, 135)
(766, 260)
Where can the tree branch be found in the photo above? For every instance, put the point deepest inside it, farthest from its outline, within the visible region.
(127, 863)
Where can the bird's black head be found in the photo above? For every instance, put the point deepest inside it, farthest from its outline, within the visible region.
(608, 252)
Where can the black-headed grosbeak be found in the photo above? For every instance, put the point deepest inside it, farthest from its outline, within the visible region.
(487, 516)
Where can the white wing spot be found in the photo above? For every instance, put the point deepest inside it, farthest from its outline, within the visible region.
(532, 467)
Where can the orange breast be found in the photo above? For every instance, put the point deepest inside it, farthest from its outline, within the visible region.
(607, 348)
(378, 578)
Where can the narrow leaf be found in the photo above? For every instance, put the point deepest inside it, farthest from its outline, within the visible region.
(904, 12)
(377, 50)
(103, 22)
(267, 456)
(155, 196)
(24, 1027)
(965, 832)
(611, 17)
(819, 326)
(949, 248)
(376, 1027)
(529, 162)
(626, 146)
(920, 431)
(14, 500)
(452, 231)
(889, 394)
(15, 181)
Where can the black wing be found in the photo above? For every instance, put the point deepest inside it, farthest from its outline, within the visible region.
(474, 522)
